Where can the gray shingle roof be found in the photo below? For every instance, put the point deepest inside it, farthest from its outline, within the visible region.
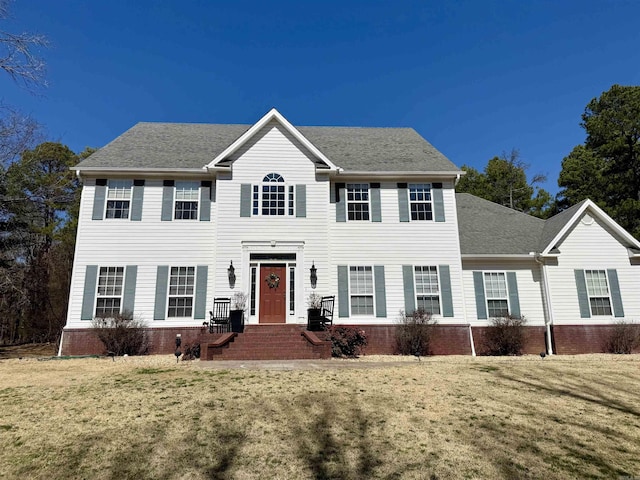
(486, 228)
(556, 223)
(189, 145)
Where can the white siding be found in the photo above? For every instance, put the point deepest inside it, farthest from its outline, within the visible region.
(589, 246)
(530, 288)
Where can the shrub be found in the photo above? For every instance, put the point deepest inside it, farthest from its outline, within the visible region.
(624, 337)
(121, 334)
(347, 341)
(505, 336)
(191, 351)
(414, 332)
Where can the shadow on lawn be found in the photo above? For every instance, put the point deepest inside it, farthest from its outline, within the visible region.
(588, 436)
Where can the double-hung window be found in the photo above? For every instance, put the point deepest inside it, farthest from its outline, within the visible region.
(495, 285)
(118, 198)
(427, 289)
(109, 293)
(598, 291)
(181, 290)
(358, 201)
(186, 200)
(273, 197)
(361, 294)
(420, 202)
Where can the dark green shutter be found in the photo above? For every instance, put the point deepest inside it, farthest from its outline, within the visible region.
(200, 308)
(341, 203)
(301, 201)
(403, 202)
(245, 200)
(374, 195)
(409, 294)
(89, 293)
(381, 296)
(205, 201)
(99, 196)
(343, 291)
(162, 277)
(514, 300)
(167, 201)
(129, 292)
(481, 304)
(446, 297)
(616, 298)
(137, 198)
(583, 298)
(438, 202)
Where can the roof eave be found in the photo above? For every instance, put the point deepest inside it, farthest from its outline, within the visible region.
(147, 172)
(400, 173)
(497, 256)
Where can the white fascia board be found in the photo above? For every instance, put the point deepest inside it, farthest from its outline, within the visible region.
(147, 172)
(601, 215)
(497, 256)
(398, 174)
(272, 114)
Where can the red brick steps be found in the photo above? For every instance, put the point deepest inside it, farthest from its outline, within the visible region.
(268, 342)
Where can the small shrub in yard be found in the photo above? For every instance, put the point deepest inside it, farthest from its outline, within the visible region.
(414, 332)
(191, 351)
(347, 341)
(121, 334)
(624, 337)
(505, 336)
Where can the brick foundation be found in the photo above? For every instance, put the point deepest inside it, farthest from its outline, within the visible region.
(535, 340)
(575, 339)
(447, 340)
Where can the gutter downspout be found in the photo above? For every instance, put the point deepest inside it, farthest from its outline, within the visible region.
(60, 347)
(473, 347)
(547, 299)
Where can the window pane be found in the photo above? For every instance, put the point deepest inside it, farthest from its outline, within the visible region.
(498, 308)
(600, 306)
(420, 201)
(181, 290)
(358, 201)
(495, 285)
(429, 304)
(117, 209)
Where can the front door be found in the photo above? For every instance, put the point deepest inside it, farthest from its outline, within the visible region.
(273, 294)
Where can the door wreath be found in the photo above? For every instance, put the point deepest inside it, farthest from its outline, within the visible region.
(272, 280)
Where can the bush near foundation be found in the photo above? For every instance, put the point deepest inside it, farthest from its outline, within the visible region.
(505, 336)
(414, 333)
(623, 338)
(121, 334)
(347, 341)
(191, 351)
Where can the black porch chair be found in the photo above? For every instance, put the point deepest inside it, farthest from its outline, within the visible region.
(325, 319)
(219, 316)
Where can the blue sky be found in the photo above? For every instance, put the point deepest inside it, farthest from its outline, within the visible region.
(475, 78)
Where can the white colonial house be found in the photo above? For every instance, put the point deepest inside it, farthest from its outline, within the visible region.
(174, 216)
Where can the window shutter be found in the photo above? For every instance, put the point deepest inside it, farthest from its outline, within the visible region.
(162, 277)
(616, 298)
(481, 304)
(205, 201)
(341, 203)
(136, 200)
(381, 297)
(301, 201)
(514, 300)
(374, 195)
(167, 201)
(129, 293)
(446, 296)
(89, 294)
(343, 291)
(583, 297)
(99, 196)
(403, 202)
(245, 200)
(438, 202)
(409, 294)
(200, 308)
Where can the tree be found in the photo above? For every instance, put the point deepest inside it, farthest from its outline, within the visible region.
(41, 199)
(504, 181)
(607, 167)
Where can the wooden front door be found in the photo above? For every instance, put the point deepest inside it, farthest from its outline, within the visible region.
(273, 294)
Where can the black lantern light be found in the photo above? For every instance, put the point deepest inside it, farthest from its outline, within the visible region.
(232, 275)
(314, 275)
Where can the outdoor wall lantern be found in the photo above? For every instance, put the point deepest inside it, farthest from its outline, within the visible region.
(314, 275)
(232, 275)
